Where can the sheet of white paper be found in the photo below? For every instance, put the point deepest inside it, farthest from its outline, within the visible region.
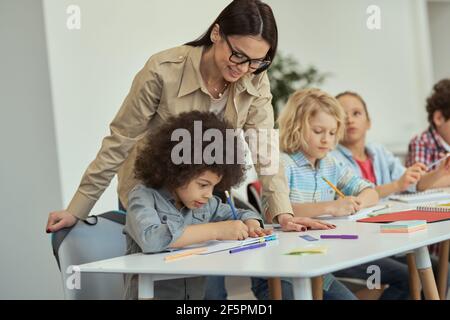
(217, 246)
(428, 195)
(361, 214)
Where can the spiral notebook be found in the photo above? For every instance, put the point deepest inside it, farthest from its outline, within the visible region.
(434, 208)
(427, 213)
(428, 195)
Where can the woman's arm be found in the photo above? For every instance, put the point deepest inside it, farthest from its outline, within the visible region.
(268, 165)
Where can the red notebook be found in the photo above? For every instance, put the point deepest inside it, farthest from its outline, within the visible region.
(429, 216)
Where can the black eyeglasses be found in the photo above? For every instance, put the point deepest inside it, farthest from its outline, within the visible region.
(240, 58)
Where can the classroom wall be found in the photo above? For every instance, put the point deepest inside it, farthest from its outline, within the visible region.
(29, 176)
(92, 68)
(439, 16)
(388, 67)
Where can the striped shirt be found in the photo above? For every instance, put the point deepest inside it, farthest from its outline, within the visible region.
(306, 184)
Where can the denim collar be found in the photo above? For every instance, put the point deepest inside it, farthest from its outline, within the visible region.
(345, 151)
(166, 194)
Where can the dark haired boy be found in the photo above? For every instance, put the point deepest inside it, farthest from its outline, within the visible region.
(174, 206)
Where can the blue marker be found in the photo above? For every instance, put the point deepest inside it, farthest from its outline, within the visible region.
(271, 237)
(231, 205)
(253, 246)
(308, 238)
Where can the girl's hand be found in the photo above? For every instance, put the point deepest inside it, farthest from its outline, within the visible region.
(255, 230)
(345, 206)
(290, 223)
(411, 176)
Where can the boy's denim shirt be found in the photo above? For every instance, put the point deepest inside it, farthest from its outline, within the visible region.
(154, 223)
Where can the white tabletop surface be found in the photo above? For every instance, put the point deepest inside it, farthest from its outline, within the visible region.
(271, 261)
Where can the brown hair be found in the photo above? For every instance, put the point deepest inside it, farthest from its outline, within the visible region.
(357, 96)
(155, 166)
(245, 18)
(439, 100)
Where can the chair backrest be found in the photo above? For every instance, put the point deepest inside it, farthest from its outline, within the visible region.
(254, 196)
(99, 237)
(241, 204)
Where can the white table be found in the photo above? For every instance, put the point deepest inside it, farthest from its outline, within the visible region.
(271, 261)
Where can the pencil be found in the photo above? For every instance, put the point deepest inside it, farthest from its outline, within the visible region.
(382, 208)
(233, 210)
(437, 162)
(334, 187)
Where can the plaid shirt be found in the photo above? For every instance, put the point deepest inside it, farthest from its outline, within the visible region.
(426, 148)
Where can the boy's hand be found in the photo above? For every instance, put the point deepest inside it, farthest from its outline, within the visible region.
(255, 230)
(345, 206)
(444, 166)
(231, 230)
(290, 223)
(411, 176)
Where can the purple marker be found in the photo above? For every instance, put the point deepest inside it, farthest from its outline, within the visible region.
(253, 246)
(338, 236)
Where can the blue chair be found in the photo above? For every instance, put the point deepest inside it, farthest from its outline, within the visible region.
(97, 238)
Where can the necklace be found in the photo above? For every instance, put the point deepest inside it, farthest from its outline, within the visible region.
(220, 92)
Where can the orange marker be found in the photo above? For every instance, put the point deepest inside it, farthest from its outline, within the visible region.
(184, 254)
